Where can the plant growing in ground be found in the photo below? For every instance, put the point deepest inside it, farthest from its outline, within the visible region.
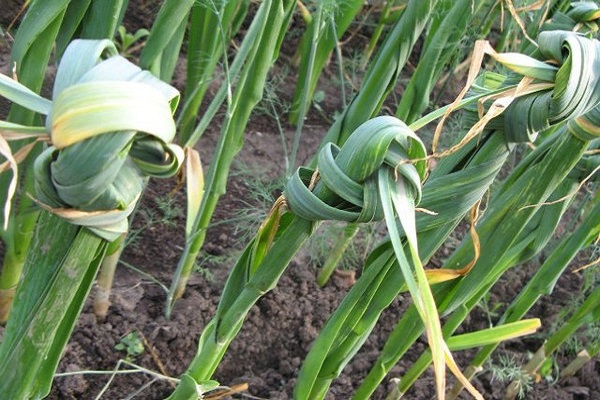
(366, 169)
(132, 344)
(508, 369)
(205, 271)
(259, 194)
(109, 127)
(275, 107)
(489, 308)
(125, 41)
(323, 254)
(250, 68)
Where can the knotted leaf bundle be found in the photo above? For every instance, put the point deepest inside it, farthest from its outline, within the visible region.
(109, 127)
(517, 222)
(382, 158)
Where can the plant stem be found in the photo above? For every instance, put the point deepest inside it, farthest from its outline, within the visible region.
(549, 163)
(250, 84)
(337, 253)
(9, 279)
(242, 291)
(58, 275)
(106, 276)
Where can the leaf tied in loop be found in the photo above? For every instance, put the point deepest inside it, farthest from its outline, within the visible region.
(584, 11)
(587, 126)
(574, 97)
(111, 126)
(347, 189)
(582, 17)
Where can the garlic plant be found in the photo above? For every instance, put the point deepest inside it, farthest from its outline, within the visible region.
(108, 127)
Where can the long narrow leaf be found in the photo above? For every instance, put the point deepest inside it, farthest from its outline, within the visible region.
(248, 93)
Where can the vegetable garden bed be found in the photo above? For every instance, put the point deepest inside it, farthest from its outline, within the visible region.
(265, 358)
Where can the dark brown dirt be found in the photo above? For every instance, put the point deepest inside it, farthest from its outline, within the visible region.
(279, 330)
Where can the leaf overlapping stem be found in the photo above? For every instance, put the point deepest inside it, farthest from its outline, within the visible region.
(109, 127)
(459, 172)
(353, 172)
(570, 108)
(372, 178)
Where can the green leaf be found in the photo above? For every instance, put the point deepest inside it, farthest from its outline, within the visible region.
(17, 93)
(56, 279)
(497, 334)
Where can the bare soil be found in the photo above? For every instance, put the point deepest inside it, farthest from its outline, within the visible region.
(279, 331)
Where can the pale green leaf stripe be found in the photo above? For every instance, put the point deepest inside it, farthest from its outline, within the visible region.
(18, 128)
(194, 186)
(74, 65)
(527, 66)
(470, 340)
(585, 11)
(17, 93)
(119, 66)
(84, 110)
(493, 335)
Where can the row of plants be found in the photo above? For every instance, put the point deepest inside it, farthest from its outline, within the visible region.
(77, 164)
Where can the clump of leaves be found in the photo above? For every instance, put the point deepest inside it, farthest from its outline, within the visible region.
(127, 43)
(169, 210)
(132, 344)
